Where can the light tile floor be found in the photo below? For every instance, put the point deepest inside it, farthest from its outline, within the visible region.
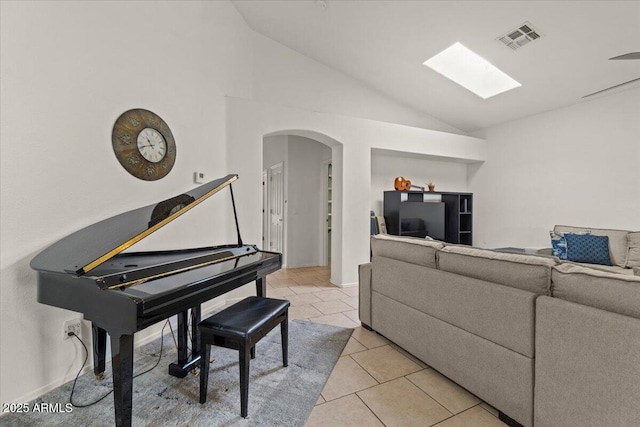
(374, 383)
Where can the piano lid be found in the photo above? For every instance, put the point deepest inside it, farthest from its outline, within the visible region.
(84, 250)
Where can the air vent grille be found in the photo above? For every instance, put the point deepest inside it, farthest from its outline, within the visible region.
(519, 37)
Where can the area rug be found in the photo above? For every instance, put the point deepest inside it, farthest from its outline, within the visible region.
(278, 396)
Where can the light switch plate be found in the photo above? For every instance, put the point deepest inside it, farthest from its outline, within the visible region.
(198, 177)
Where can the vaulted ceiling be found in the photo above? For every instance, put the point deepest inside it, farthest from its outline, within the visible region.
(384, 43)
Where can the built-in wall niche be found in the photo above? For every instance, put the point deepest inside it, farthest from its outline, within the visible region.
(419, 168)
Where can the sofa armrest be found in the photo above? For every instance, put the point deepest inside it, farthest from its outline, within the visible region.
(586, 371)
(364, 303)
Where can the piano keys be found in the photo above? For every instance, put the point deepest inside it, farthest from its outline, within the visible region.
(124, 292)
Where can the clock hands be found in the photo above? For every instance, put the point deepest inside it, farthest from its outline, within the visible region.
(160, 149)
(155, 149)
(150, 143)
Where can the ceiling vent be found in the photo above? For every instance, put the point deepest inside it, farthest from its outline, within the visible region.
(519, 37)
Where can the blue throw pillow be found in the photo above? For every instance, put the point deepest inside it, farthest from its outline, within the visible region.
(558, 245)
(588, 248)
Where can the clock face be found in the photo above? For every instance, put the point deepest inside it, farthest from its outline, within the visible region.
(143, 144)
(152, 145)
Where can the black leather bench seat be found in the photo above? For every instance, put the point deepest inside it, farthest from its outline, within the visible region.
(240, 327)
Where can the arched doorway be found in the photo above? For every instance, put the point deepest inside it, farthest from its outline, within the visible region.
(301, 207)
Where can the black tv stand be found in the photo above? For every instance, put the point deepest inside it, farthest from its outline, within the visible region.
(443, 216)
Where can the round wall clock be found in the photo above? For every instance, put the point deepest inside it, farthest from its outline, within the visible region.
(144, 144)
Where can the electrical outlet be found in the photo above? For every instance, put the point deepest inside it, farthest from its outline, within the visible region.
(73, 325)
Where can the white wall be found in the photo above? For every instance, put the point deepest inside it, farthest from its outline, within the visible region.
(276, 150)
(578, 165)
(285, 77)
(420, 170)
(69, 69)
(305, 199)
(351, 140)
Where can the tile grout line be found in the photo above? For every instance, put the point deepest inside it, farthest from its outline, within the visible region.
(459, 413)
(434, 399)
(366, 348)
(369, 408)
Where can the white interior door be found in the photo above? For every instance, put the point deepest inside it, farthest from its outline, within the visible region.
(276, 207)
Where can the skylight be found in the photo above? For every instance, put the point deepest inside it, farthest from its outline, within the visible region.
(471, 71)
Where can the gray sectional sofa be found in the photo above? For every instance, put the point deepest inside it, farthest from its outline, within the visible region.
(546, 343)
(624, 247)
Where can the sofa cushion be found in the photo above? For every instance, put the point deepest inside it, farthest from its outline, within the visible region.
(527, 272)
(633, 259)
(618, 293)
(588, 248)
(408, 249)
(606, 268)
(618, 241)
(467, 303)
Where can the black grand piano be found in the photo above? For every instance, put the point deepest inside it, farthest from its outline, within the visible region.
(122, 293)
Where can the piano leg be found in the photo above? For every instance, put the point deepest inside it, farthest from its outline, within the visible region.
(99, 350)
(261, 287)
(196, 316)
(184, 364)
(122, 365)
(183, 333)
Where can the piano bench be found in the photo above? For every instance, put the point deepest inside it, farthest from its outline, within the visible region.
(240, 327)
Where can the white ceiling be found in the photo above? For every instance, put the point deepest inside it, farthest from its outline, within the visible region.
(384, 43)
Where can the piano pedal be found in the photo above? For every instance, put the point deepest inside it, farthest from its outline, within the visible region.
(196, 371)
(100, 376)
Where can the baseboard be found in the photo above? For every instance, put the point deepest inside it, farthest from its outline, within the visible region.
(228, 301)
(52, 385)
(89, 367)
(312, 264)
(347, 285)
